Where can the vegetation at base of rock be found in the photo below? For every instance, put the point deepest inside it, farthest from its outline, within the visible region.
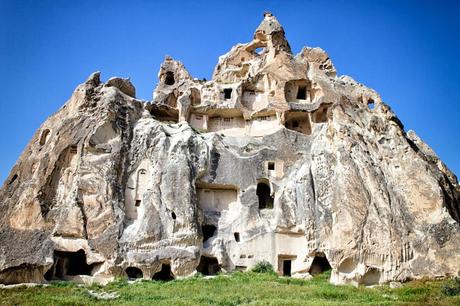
(236, 289)
(263, 267)
(452, 287)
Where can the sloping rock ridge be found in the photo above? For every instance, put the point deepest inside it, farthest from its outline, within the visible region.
(276, 158)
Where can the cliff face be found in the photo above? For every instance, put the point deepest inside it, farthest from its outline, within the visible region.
(276, 158)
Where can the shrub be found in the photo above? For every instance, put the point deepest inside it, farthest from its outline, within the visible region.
(263, 267)
(452, 287)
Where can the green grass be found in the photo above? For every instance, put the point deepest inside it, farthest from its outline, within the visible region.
(237, 289)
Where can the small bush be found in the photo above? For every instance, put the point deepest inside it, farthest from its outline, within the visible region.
(452, 287)
(263, 267)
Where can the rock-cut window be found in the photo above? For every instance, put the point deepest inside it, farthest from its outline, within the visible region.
(265, 198)
(302, 92)
(169, 78)
(227, 93)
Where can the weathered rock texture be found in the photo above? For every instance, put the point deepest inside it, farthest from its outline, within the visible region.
(276, 158)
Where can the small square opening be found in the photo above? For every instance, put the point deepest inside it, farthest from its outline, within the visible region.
(227, 93)
(302, 92)
(138, 203)
(271, 165)
(237, 237)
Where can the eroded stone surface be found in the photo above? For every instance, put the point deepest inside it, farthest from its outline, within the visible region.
(276, 158)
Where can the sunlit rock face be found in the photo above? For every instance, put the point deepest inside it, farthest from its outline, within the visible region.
(276, 158)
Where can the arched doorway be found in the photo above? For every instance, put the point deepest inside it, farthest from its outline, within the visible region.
(164, 274)
(265, 198)
(134, 272)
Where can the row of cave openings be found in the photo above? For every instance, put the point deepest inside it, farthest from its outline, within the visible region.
(207, 266)
(299, 91)
(295, 91)
(68, 264)
(319, 265)
(299, 120)
(165, 273)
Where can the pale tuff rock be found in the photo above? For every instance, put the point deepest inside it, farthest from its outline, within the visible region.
(276, 158)
(124, 85)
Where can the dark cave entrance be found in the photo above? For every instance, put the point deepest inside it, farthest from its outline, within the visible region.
(134, 273)
(227, 93)
(208, 231)
(68, 264)
(287, 263)
(263, 193)
(302, 92)
(164, 274)
(320, 264)
(208, 266)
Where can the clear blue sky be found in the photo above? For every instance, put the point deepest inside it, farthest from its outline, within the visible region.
(406, 50)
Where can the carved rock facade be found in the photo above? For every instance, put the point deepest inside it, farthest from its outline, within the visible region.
(276, 158)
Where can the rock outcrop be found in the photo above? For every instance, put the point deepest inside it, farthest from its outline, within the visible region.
(276, 158)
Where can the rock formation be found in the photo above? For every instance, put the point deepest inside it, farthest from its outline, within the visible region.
(276, 158)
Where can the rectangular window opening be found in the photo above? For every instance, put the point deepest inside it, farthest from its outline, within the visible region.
(271, 165)
(302, 92)
(227, 93)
